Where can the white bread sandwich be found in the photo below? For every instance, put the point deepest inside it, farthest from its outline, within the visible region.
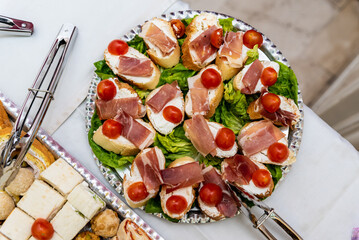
(161, 42)
(17, 225)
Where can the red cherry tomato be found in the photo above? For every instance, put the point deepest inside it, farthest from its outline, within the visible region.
(178, 27)
(42, 229)
(251, 38)
(176, 204)
(269, 76)
(217, 38)
(111, 129)
(278, 152)
(211, 194)
(137, 191)
(118, 47)
(225, 139)
(106, 90)
(270, 102)
(172, 114)
(261, 178)
(211, 78)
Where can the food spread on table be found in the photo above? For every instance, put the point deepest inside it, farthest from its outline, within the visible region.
(191, 106)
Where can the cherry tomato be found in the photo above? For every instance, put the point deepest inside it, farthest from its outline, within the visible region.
(261, 178)
(106, 90)
(278, 152)
(225, 138)
(251, 38)
(118, 47)
(176, 204)
(270, 102)
(217, 38)
(211, 78)
(269, 76)
(112, 129)
(42, 229)
(137, 191)
(211, 194)
(172, 114)
(178, 27)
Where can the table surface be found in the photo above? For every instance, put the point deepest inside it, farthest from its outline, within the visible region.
(319, 196)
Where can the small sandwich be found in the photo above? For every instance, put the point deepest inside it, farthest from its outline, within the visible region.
(144, 180)
(161, 42)
(205, 92)
(179, 180)
(131, 65)
(231, 55)
(249, 176)
(210, 137)
(130, 230)
(124, 135)
(197, 49)
(215, 198)
(112, 95)
(255, 76)
(278, 109)
(263, 142)
(165, 107)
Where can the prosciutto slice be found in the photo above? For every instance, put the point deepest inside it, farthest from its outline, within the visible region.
(228, 206)
(109, 109)
(231, 49)
(259, 136)
(149, 168)
(251, 77)
(158, 38)
(134, 131)
(200, 135)
(238, 169)
(138, 67)
(199, 97)
(166, 93)
(202, 46)
(182, 176)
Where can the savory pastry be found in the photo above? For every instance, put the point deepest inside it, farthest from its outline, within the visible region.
(21, 183)
(165, 107)
(6, 205)
(113, 95)
(17, 225)
(87, 236)
(161, 42)
(129, 230)
(144, 180)
(4, 118)
(105, 224)
(197, 49)
(205, 92)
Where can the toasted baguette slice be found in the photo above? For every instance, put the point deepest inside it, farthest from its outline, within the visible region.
(198, 25)
(187, 192)
(4, 118)
(130, 230)
(166, 61)
(135, 176)
(227, 71)
(121, 145)
(141, 82)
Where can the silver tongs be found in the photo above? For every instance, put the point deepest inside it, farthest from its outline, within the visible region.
(16, 147)
(15, 26)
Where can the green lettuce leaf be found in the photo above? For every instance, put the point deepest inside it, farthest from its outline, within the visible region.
(252, 54)
(187, 21)
(181, 41)
(138, 43)
(142, 93)
(276, 172)
(227, 25)
(102, 70)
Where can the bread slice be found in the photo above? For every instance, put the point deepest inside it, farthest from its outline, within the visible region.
(4, 118)
(135, 176)
(154, 52)
(227, 71)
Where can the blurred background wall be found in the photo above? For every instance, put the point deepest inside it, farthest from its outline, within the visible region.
(320, 39)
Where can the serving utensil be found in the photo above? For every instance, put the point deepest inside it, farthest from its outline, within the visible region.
(16, 26)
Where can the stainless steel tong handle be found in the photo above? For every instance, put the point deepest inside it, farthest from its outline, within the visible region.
(285, 226)
(16, 26)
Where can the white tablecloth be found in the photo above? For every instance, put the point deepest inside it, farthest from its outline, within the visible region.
(318, 197)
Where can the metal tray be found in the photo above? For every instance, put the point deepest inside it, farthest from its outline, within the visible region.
(109, 197)
(269, 51)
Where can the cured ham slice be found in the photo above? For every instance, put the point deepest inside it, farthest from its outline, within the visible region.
(163, 96)
(139, 67)
(134, 131)
(228, 206)
(231, 49)
(200, 135)
(258, 136)
(202, 46)
(182, 176)
(252, 76)
(199, 97)
(109, 109)
(238, 169)
(158, 38)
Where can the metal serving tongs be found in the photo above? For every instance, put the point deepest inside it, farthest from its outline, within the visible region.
(16, 147)
(15, 26)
